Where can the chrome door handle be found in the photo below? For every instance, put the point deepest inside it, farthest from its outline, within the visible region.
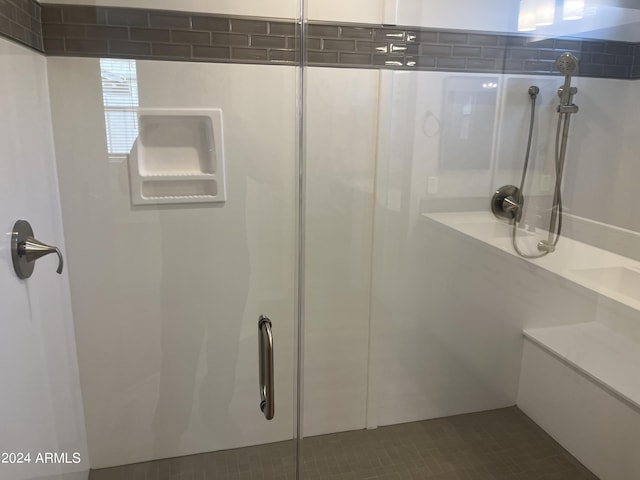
(265, 352)
(25, 250)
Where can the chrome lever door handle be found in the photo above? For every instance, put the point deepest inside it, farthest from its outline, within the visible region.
(33, 249)
(25, 250)
(265, 353)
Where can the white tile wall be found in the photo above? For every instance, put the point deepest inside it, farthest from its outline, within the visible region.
(41, 404)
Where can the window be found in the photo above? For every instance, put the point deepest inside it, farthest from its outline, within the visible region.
(120, 98)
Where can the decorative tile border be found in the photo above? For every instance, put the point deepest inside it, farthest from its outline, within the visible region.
(20, 22)
(446, 50)
(78, 30)
(635, 71)
(166, 35)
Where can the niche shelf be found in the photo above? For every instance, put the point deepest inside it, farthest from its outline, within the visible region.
(178, 157)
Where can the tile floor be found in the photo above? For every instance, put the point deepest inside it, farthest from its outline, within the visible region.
(494, 445)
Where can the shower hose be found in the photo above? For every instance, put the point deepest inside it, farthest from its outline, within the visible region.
(555, 223)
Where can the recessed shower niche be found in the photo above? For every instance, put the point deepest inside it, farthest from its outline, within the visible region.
(178, 157)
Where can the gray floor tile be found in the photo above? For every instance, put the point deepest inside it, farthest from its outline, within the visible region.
(499, 444)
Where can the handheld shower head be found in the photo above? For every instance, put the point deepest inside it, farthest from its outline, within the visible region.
(567, 65)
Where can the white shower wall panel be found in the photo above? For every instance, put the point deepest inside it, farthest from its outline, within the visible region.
(447, 314)
(167, 298)
(602, 167)
(162, 378)
(340, 165)
(488, 15)
(41, 403)
(255, 8)
(601, 19)
(358, 11)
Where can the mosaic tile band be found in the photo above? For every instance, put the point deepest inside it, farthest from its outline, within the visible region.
(77, 30)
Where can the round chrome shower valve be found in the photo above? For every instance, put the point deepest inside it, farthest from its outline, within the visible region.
(507, 202)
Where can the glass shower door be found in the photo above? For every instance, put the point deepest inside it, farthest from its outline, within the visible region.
(175, 251)
(178, 179)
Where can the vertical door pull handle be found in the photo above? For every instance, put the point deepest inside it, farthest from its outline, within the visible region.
(265, 353)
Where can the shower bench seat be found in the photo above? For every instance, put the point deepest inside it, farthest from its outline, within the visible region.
(581, 383)
(604, 356)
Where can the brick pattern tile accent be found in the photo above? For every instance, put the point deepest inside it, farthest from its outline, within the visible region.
(498, 444)
(400, 48)
(635, 70)
(166, 35)
(20, 21)
(77, 30)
